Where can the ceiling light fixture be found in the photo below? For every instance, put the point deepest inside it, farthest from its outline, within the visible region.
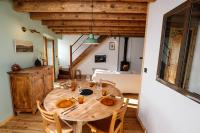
(91, 40)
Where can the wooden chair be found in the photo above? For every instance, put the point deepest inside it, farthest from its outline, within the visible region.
(113, 124)
(107, 82)
(52, 123)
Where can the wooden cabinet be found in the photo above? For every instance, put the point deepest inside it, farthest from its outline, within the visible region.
(29, 85)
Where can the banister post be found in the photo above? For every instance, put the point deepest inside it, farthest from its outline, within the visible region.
(70, 67)
(70, 56)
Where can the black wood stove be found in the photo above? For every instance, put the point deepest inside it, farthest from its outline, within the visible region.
(125, 65)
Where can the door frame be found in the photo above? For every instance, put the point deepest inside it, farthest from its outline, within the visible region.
(53, 52)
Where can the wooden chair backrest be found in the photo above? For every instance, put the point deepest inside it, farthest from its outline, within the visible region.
(107, 82)
(118, 115)
(49, 118)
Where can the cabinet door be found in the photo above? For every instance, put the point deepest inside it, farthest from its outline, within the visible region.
(48, 79)
(37, 88)
(21, 92)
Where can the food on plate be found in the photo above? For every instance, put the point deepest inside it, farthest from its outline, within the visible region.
(65, 103)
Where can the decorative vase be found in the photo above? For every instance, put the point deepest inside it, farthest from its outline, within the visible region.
(38, 63)
(15, 67)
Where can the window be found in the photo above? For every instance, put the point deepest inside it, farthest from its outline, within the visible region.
(179, 59)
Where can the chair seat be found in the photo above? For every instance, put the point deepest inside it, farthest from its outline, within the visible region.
(52, 128)
(102, 126)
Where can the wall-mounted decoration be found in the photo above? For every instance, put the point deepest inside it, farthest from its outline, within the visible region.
(100, 58)
(23, 46)
(111, 45)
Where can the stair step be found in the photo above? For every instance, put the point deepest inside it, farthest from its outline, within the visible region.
(64, 71)
(60, 76)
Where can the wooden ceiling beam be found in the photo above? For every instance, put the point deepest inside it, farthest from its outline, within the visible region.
(99, 29)
(106, 33)
(86, 16)
(94, 23)
(88, 0)
(95, 32)
(98, 7)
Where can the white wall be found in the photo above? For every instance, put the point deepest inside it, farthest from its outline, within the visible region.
(134, 52)
(163, 110)
(111, 60)
(64, 49)
(10, 28)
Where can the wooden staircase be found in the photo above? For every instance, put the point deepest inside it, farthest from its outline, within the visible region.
(68, 73)
(65, 73)
(87, 51)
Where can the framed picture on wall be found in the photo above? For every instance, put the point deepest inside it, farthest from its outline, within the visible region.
(100, 58)
(111, 45)
(23, 46)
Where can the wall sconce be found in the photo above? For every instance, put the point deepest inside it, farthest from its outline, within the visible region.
(24, 29)
(34, 31)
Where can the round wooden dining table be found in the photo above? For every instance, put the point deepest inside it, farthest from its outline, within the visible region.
(91, 110)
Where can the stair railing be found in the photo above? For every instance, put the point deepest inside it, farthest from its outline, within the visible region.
(77, 48)
(73, 51)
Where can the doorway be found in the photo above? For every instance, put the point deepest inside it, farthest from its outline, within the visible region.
(50, 53)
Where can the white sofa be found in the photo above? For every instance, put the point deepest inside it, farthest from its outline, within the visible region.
(125, 82)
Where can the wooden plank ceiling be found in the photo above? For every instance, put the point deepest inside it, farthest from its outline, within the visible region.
(110, 17)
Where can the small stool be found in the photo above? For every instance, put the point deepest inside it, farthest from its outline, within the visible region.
(78, 74)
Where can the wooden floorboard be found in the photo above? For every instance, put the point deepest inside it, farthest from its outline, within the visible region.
(28, 123)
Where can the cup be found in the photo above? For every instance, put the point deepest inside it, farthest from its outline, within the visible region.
(81, 99)
(104, 92)
(73, 87)
(91, 84)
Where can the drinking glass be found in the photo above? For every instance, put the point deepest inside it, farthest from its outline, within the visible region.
(88, 77)
(81, 99)
(73, 85)
(99, 85)
(98, 90)
(69, 83)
